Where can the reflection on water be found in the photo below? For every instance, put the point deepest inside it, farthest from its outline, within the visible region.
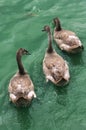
(24, 118)
(76, 59)
(61, 95)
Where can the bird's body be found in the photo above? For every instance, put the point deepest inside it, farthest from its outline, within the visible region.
(54, 66)
(21, 88)
(56, 69)
(66, 40)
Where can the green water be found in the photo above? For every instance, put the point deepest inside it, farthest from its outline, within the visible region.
(21, 22)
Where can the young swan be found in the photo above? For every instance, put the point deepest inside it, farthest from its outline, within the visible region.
(21, 88)
(65, 39)
(54, 66)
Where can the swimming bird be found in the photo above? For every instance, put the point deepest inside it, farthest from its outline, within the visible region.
(54, 66)
(21, 88)
(65, 39)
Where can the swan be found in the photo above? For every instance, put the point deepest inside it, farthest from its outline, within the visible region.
(21, 88)
(65, 39)
(55, 67)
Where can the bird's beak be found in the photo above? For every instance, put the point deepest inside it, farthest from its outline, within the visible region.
(43, 30)
(28, 53)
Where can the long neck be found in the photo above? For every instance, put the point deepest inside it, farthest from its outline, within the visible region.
(58, 26)
(50, 48)
(20, 66)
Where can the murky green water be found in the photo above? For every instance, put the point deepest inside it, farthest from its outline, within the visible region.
(21, 22)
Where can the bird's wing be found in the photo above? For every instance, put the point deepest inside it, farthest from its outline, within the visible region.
(20, 83)
(68, 38)
(54, 67)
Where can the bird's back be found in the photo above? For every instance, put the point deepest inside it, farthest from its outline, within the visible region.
(20, 83)
(54, 63)
(67, 37)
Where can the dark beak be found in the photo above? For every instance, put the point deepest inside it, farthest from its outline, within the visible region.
(43, 30)
(28, 53)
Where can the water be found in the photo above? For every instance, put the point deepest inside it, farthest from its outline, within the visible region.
(21, 22)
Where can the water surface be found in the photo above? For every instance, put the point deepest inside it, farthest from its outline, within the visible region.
(21, 22)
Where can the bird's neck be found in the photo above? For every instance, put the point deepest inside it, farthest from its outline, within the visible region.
(20, 65)
(58, 27)
(50, 48)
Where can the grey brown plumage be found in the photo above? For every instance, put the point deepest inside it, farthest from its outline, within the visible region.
(65, 39)
(54, 66)
(21, 88)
